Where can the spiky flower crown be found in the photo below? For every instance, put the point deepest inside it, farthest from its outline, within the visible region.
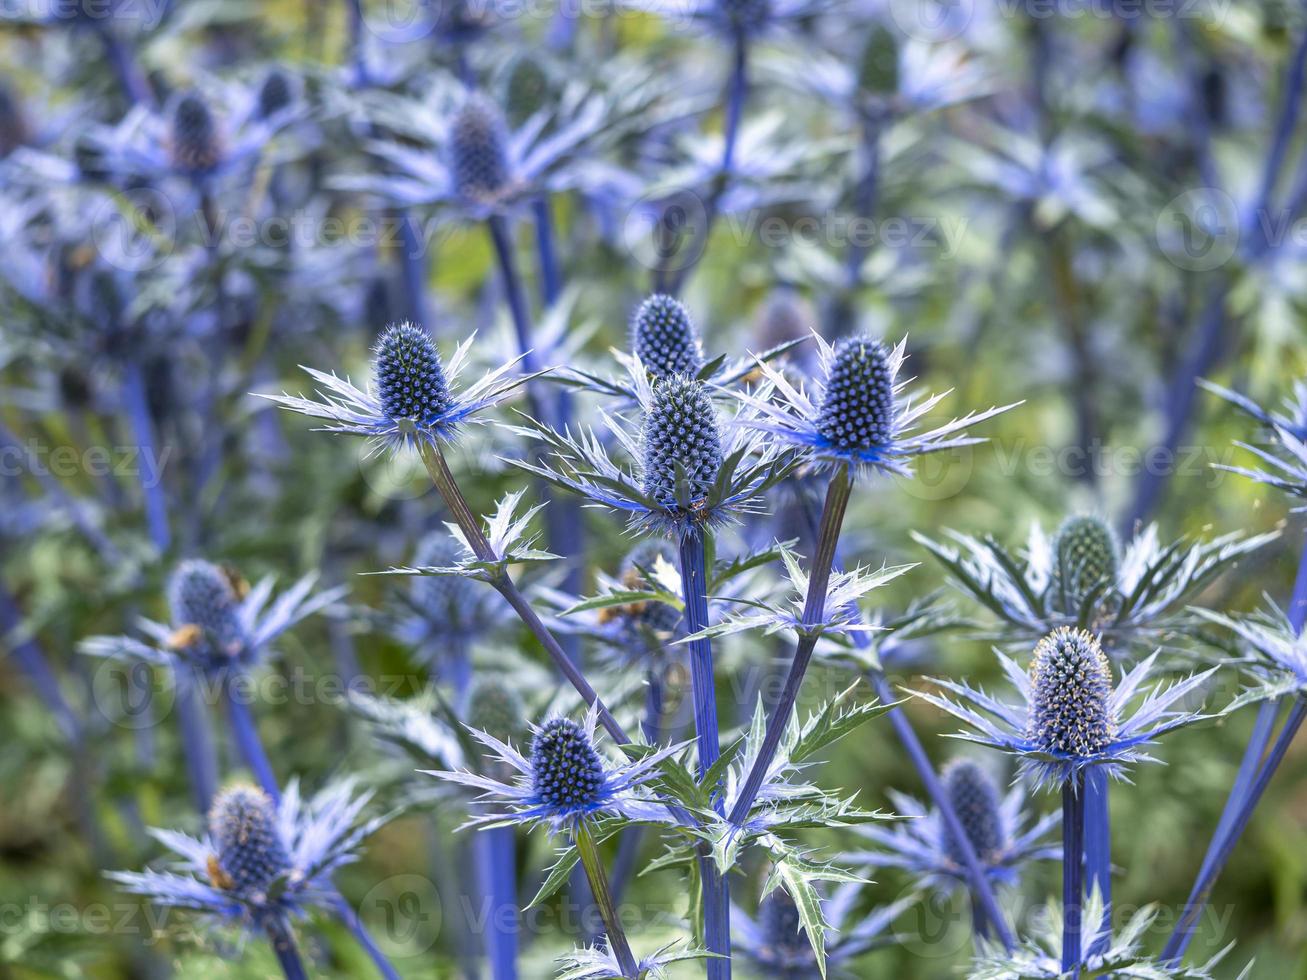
(410, 379)
(976, 801)
(195, 142)
(664, 338)
(682, 444)
(206, 612)
(275, 94)
(567, 772)
(857, 409)
(250, 854)
(1086, 557)
(1070, 695)
(478, 153)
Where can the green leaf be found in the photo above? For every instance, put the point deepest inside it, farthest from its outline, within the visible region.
(835, 720)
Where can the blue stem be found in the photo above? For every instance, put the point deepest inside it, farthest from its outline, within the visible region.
(31, 661)
(497, 872)
(248, 743)
(283, 945)
(1246, 791)
(138, 417)
(347, 915)
(197, 740)
(736, 96)
(1098, 852)
(132, 81)
(1202, 890)
(814, 610)
(716, 890)
(357, 54)
(413, 268)
(551, 277)
(1073, 848)
(694, 584)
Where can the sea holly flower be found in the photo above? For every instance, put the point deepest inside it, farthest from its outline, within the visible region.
(999, 828)
(218, 622)
(565, 781)
(861, 418)
(1040, 958)
(1284, 466)
(1082, 577)
(469, 160)
(776, 943)
(413, 399)
(260, 861)
(693, 473)
(1070, 715)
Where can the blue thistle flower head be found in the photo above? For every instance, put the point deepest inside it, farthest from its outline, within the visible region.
(194, 140)
(567, 773)
(260, 857)
(562, 780)
(682, 444)
(976, 801)
(478, 150)
(410, 379)
(251, 855)
(1070, 714)
(1071, 711)
(744, 17)
(663, 337)
(412, 399)
(782, 930)
(1086, 557)
(861, 417)
(206, 612)
(857, 409)
(275, 93)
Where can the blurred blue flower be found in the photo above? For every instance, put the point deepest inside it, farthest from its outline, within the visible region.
(999, 828)
(776, 944)
(1287, 469)
(260, 860)
(219, 622)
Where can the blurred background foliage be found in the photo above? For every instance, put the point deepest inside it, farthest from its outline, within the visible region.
(1055, 285)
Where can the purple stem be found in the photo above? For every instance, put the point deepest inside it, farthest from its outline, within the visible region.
(1098, 852)
(413, 268)
(814, 611)
(138, 417)
(1246, 792)
(1073, 847)
(197, 739)
(497, 874)
(248, 744)
(282, 939)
